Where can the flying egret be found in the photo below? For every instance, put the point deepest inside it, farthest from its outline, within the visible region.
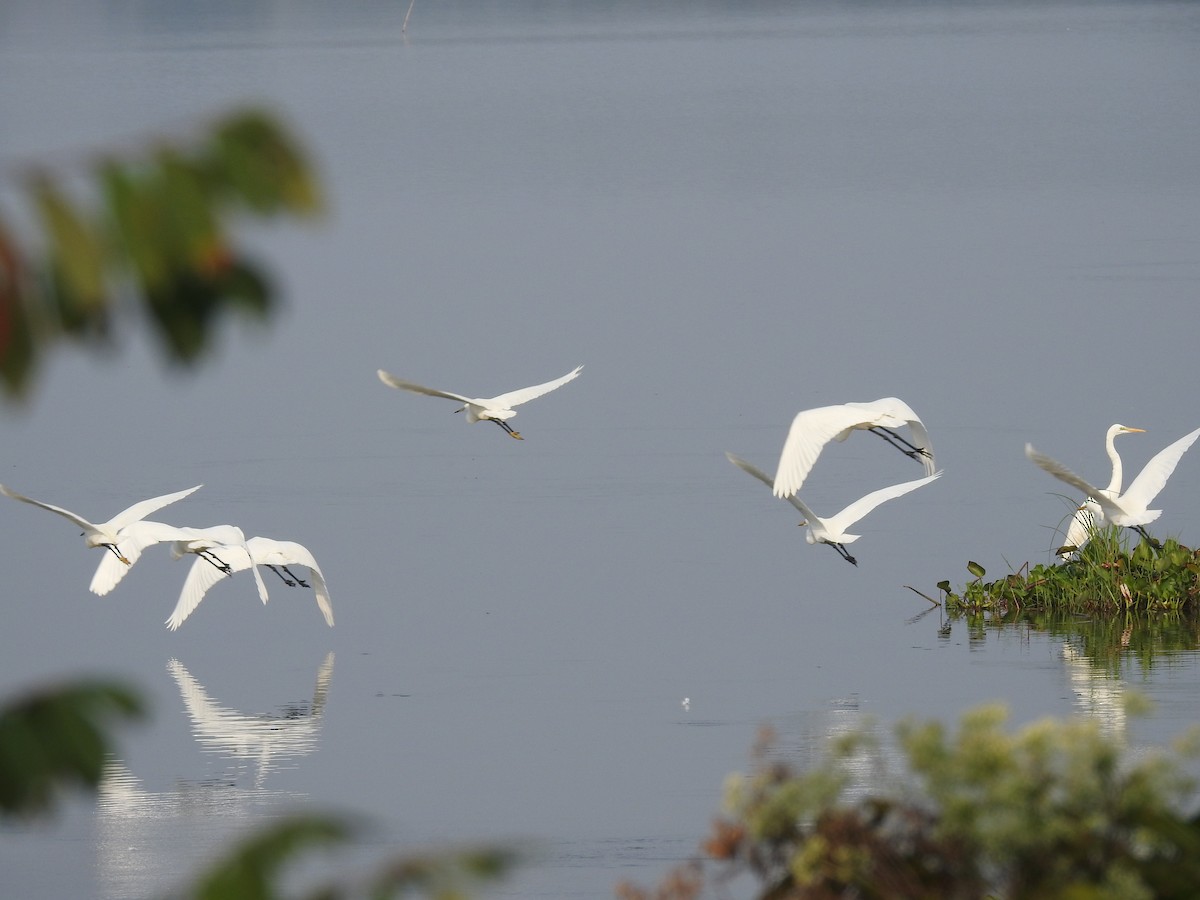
(832, 530)
(1130, 509)
(812, 429)
(1089, 517)
(107, 534)
(137, 537)
(275, 555)
(495, 409)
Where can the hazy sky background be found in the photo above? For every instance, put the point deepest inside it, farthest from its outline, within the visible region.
(727, 213)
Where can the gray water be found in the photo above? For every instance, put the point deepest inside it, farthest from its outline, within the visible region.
(727, 213)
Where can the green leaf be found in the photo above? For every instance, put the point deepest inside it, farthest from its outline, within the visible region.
(76, 249)
(252, 870)
(975, 569)
(57, 737)
(262, 167)
(16, 340)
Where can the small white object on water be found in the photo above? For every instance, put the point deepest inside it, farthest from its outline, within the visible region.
(686, 704)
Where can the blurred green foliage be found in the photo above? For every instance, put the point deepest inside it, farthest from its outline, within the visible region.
(1055, 811)
(253, 870)
(149, 230)
(56, 737)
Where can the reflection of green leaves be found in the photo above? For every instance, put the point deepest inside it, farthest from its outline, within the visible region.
(56, 737)
(159, 232)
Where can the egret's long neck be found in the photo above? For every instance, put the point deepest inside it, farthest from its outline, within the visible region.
(1114, 483)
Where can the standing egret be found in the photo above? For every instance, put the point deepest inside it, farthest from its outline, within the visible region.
(107, 534)
(275, 555)
(495, 409)
(832, 530)
(1085, 522)
(1130, 509)
(812, 429)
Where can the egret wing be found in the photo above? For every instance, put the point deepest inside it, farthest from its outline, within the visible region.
(139, 511)
(287, 553)
(524, 395)
(863, 505)
(392, 381)
(810, 431)
(1153, 478)
(322, 593)
(78, 520)
(897, 409)
(751, 469)
(920, 438)
(202, 576)
(133, 540)
(1062, 473)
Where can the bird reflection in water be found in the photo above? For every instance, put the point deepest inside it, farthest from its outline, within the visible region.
(147, 841)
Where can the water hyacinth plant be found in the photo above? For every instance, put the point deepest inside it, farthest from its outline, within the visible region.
(1108, 575)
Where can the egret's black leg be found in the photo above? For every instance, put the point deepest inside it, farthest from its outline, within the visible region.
(300, 581)
(1146, 537)
(286, 580)
(509, 429)
(842, 552)
(900, 443)
(117, 553)
(215, 560)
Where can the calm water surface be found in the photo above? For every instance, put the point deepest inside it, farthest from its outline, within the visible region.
(727, 213)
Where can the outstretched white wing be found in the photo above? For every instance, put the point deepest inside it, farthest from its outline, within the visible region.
(135, 538)
(811, 430)
(202, 576)
(838, 524)
(139, 511)
(78, 520)
(1062, 473)
(268, 552)
(1153, 477)
(392, 381)
(524, 395)
(751, 469)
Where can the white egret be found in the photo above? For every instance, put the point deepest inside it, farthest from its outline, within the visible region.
(107, 534)
(1089, 517)
(812, 429)
(275, 555)
(137, 537)
(495, 409)
(832, 530)
(1130, 509)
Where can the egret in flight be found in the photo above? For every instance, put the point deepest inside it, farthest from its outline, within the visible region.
(832, 530)
(495, 409)
(1085, 521)
(107, 534)
(137, 537)
(275, 555)
(812, 429)
(1130, 509)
